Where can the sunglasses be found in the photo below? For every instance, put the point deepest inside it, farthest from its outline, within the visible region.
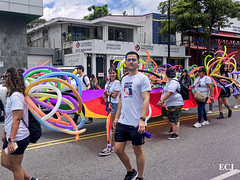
(133, 60)
(3, 76)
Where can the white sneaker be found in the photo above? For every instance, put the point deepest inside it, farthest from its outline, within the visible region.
(204, 123)
(197, 125)
(106, 152)
(209, 112)
(236, 106)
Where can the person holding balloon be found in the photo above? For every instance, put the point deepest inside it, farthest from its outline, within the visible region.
(16, 135)
(225, 93)
(111, 97)
(237, 96)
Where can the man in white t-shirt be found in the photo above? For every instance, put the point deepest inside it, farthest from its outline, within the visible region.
(85, 82)
(132, 111)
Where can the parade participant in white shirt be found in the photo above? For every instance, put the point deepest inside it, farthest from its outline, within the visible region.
(203, 83)
(15, 131)
(173, 103)
(132, 111)
(85, 82)
(111, 96)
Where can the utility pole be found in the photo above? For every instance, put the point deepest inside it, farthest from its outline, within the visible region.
(168, 59)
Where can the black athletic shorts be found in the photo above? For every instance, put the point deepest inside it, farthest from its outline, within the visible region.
(22, 145)
(125, 133)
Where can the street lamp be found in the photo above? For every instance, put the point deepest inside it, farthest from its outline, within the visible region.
(168, 61)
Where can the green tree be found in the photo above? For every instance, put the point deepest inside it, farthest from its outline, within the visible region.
(35, 22)
(192, 14)
(98, 11)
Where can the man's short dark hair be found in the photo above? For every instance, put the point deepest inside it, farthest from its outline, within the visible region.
(202, 70)
(171, 73)
(80, 67)
(132, 52)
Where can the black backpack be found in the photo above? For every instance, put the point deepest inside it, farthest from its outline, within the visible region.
(92, 86)
(34, 128)
(184, 91)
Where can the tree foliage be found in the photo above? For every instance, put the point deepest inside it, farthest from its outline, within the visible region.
(192, 14)
(36, 22)
(98, 11)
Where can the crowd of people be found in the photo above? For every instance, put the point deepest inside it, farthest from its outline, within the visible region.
(127, 101)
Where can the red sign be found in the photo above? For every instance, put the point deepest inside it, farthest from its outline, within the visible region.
(137, 47)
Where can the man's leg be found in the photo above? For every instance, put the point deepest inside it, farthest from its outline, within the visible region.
(238, 99)
(119, 149)
(175, 127)
(140, 157)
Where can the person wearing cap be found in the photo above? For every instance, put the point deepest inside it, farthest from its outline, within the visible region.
(85, 83)
(203, 83)
(172, 103)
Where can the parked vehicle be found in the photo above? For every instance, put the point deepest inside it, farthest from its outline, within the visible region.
(3, 94)
(69, 69)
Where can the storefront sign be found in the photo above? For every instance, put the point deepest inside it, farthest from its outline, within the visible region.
(113, 46)
(117, 57)
(172, 49)
(82, 46)
(72, 59)
(144, 47)
(100, 74)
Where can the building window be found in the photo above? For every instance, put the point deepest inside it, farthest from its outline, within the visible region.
(120, 34)
(79, 33)
(165, 39)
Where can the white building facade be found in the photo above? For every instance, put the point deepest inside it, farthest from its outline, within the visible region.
(96, 44)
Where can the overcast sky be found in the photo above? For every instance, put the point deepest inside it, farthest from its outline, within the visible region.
(78, 8)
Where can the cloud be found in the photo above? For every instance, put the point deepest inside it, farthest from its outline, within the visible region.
(78, 9)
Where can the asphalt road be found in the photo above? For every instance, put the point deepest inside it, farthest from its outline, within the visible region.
(200, 154)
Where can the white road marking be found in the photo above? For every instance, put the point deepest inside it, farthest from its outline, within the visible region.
(226, 175)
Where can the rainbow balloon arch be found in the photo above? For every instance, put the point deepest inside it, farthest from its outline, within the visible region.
(44, 91)
(46, 84)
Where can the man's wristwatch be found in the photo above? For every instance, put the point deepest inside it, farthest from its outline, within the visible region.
(143, 118)
(10, 140)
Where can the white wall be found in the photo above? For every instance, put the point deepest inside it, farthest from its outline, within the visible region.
(54, 34)
(33, 59)
(73, 59)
